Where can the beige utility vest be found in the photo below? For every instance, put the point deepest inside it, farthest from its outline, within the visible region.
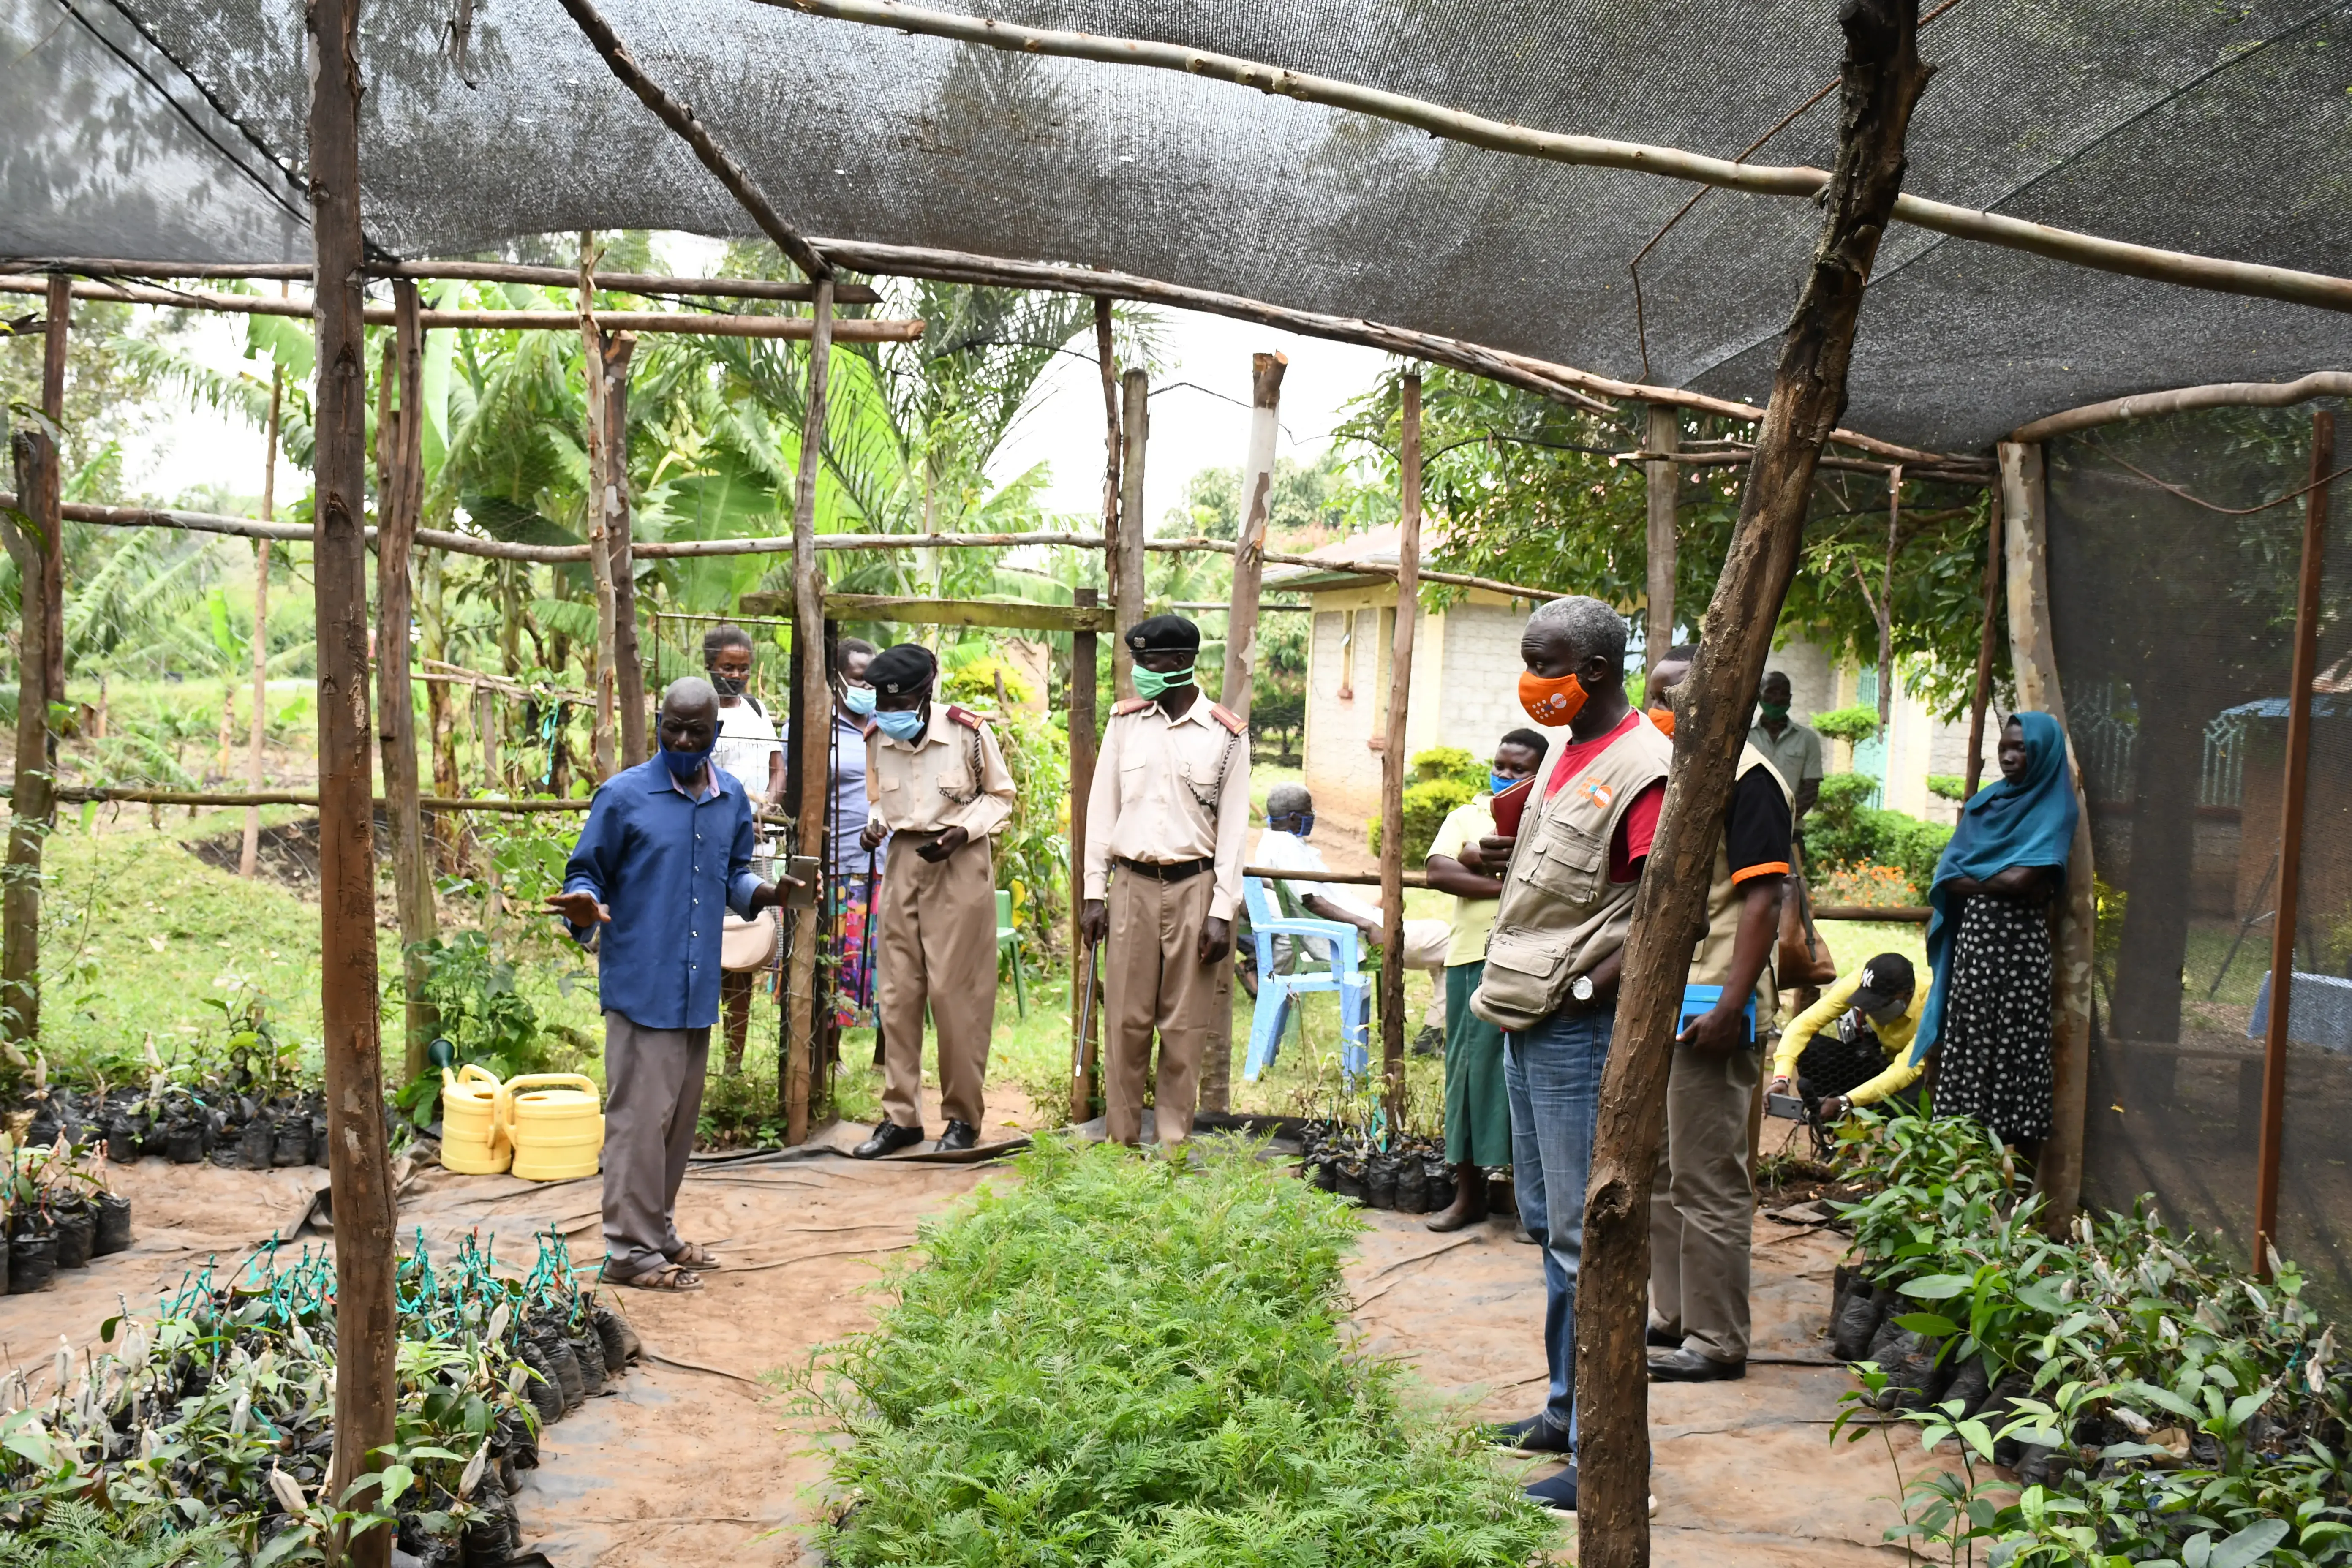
(1559, 914)
(1711, 963)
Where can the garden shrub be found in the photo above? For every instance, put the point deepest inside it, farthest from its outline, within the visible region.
(1139, 1362)
(2165, 1409)
(1853, 725)
(1841, 831)
(1425, 809)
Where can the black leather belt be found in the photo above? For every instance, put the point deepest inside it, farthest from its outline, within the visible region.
(1166, 870)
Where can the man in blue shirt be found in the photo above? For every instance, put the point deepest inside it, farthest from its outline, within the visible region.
(667, 847)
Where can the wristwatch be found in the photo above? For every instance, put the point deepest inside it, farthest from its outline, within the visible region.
(1580, 988)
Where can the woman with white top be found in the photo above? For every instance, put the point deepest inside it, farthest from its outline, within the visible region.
(748, 747)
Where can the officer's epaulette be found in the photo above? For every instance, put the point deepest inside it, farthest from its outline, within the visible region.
(966, 717)
(1227, 719)
(1131, 705)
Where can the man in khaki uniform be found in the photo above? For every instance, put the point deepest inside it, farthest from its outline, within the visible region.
(1165, 827)
(1702, 1209)
(937, 787)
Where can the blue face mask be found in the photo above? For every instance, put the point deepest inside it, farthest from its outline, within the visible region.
(685, 766)
(900, 724)
(1497, 782)
(1302, 824)
(858, 700)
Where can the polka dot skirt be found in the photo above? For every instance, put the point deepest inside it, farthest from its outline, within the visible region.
(1994, 1061)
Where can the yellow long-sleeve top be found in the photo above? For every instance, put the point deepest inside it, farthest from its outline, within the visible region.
(1894, 1039)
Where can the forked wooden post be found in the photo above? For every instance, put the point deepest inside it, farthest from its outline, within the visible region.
(1107, 363)
(37, 544)
(248, 862)
(1240, 640)
(2284, 926)
(400, 469)
(600, 508)
(1881, 82)
(813, 736)
(2033, 662)
(1084, 1020)
(366, 1335)
(1981, 695)
(614, 350)
(1408, 610)
(1134, 595)
(1663, 433)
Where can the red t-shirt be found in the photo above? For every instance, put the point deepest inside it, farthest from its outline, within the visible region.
(1630, 845)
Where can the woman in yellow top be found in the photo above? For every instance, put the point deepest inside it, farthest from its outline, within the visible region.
(1853, 1046)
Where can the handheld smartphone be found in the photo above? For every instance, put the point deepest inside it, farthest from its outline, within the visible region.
(1787, 1107)
(804, 867)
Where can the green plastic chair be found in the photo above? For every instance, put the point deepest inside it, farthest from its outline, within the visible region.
(1009, 939)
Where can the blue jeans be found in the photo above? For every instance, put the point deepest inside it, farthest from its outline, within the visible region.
(1553, 1074)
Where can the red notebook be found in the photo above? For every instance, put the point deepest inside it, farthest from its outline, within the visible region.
(1509, 806)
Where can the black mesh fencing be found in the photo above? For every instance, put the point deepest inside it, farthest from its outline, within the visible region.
(2173, 598)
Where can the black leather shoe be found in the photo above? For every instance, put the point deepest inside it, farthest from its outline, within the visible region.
(1659, 1338)
(889, 1139)
(1536, 1437)
(959, 1136)
(1689, 1366)
(1556, 1493)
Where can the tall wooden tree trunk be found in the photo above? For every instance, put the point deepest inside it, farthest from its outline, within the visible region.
(1086, 1013)
(1881, 82)
(37, 544)
(812, 736)
(1134, 595)
(628, 666)
(249, 859)
(365, 1332)
(400, 466)
(1664, 433)
(601, 672)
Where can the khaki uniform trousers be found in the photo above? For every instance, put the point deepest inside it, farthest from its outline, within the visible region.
(1154, 979)
(1703, 1204)
(938, 934)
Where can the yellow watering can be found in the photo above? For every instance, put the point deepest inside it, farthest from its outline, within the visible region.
(473, 1122)
(556, 1124)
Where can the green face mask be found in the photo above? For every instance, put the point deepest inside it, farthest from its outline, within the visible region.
(1151, 683)
(1774, 712)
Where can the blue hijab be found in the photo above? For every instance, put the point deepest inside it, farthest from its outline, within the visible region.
(2029, 823)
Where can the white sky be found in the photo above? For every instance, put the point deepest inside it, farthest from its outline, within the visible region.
(1192, 427)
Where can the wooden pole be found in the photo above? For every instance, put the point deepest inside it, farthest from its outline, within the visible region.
(248, 862)
(1408, 610)
(1664, 434)
(2284, 926)
(1084, 1020)
(400, 443)
(813, 734)
(366, 1335)
(34, 539)
(1241, 637)
(615, 349)
(2033, 662)
(1132, 596)
(1881, 82)
(601, 486)
(1981, 695)
(1107, 361)
(1885, 607)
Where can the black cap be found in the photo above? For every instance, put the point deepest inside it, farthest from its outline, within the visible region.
(906, 668)
(1885, 981)
(1165, 634)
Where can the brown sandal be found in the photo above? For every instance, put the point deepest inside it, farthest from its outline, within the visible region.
(661, 1277)
(694, 1255)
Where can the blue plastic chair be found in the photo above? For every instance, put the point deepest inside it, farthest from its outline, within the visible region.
(1276, 990)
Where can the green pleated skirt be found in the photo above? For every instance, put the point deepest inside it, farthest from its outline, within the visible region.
(1477, 1106)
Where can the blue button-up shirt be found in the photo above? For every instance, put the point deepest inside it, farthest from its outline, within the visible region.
(666, 863)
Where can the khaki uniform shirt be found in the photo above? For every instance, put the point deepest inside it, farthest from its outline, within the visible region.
(1726, 896)
(1169, 790)
(952, 776)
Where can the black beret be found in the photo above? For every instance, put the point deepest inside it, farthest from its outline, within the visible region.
(1165, 634)
(897, 671)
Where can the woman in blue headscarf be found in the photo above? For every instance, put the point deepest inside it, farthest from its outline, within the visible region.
(1987, 1014)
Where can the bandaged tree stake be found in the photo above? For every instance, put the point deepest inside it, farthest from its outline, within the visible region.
(1881, 81)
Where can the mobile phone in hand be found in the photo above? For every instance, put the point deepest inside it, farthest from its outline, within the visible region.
(804, 867)
(1787, 1107)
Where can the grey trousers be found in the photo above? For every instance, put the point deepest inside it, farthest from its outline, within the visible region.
(1703, 1204)
(653, 1097)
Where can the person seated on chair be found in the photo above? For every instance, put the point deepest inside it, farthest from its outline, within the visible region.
(1283, 847)
(1477, 1108)
(1853, 1046)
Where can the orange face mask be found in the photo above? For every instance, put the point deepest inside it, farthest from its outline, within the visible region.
(1663, 718)
(1551, 700)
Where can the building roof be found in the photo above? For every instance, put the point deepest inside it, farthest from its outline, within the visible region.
(1378, 546)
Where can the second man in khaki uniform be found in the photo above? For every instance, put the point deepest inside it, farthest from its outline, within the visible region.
(938, 787)
(1165, 827)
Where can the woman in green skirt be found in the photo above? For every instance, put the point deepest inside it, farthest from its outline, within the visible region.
(1477, 1109)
